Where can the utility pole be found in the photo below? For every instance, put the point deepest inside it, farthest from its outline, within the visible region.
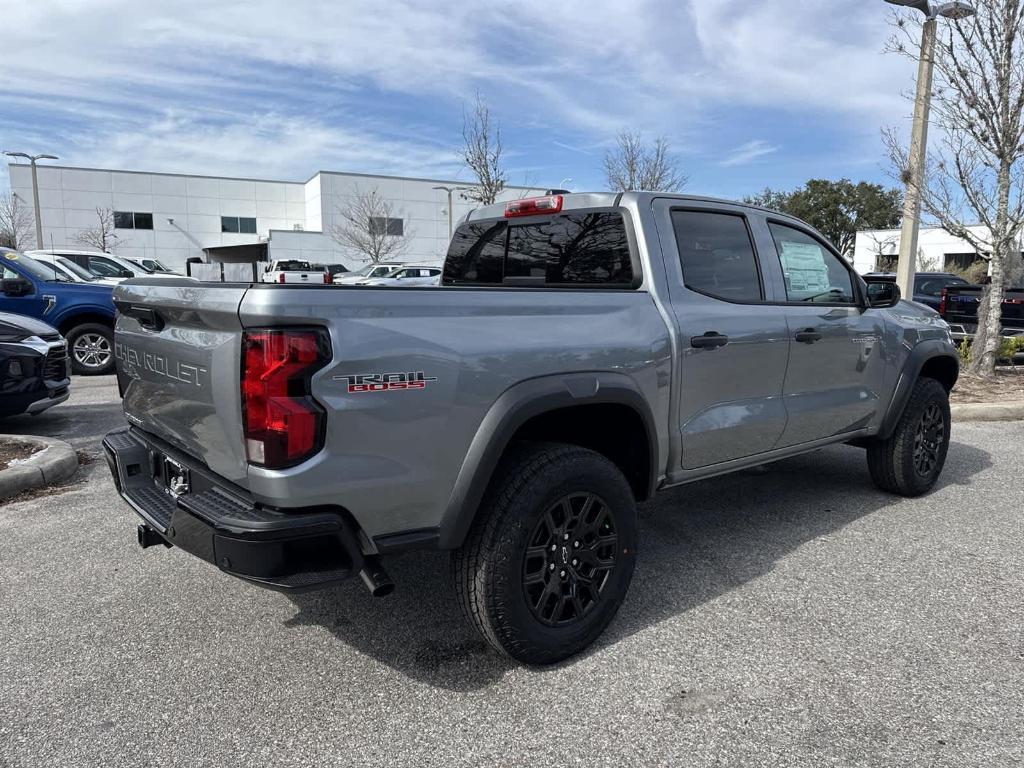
(958, 9)
(907, 266)
(35, 190)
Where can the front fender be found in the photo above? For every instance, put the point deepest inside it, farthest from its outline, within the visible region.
(66, 315)
(921, 353)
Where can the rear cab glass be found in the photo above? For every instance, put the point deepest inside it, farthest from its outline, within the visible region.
(586, 248)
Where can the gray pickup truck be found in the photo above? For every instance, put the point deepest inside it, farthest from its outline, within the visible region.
(583, 352)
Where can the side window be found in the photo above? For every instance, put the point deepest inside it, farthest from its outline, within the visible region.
(476, 254)
(812, 272)
(10, 274)
(717, 255)
(104, 268)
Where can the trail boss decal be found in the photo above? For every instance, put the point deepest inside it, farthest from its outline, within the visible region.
(386, 382)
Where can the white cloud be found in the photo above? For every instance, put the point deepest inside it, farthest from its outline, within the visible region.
(286, 85)
(278, 146)
(747, 153)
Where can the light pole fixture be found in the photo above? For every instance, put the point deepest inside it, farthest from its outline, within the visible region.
(450, 191)
(959, 9)
(35, 189)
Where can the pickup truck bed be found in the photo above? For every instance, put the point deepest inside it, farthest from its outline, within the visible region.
(959, 307)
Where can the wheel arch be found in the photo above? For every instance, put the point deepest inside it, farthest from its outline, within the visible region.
(933, 359)
(84, 318)
(564, 408)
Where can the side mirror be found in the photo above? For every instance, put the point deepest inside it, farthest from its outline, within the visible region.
(883, 295)
(126, 273)
(16, 286)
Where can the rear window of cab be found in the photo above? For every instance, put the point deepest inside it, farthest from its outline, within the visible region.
(584, 248)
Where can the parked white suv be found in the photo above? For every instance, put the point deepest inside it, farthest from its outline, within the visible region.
(100, 264)
(68, 270)
(369, 272)
(407, 276)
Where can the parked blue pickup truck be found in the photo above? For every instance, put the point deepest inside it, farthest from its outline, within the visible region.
(82, 312)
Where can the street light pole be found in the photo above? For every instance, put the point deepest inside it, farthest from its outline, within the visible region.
(450, 191)
(918, 157)
(35, 190)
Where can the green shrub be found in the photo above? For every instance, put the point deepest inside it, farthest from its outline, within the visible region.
(1010, 346)
(965, 353)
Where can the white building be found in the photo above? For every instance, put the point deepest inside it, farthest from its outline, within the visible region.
(938, 251)
(172, 217)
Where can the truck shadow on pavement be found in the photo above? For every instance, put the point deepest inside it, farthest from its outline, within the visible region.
(697, 542)
(80, 424)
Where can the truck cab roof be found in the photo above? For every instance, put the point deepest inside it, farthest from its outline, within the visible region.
(581, 200)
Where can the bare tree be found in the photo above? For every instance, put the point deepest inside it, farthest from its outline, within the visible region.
(16, 223)
(102, 237)
(481, 152)
(883, 248)
(632, 165)
(366, 227)
(978, 172)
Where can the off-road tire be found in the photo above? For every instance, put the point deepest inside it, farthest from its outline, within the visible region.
(489, 570)
(105, 350)
(892, 461)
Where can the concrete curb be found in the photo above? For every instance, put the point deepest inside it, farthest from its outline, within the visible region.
(987, 411)
(54, 462)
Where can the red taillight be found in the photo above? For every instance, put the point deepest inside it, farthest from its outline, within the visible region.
(280, 278)
(532, 206)
(942, 302)
(327, 278)
(283, 424)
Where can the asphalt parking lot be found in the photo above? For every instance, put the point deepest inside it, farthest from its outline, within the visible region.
(791, 615)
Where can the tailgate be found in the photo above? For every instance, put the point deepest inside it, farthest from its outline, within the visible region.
(961, 305)
(177, 344)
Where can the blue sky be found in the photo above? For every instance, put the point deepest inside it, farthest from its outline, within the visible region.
(750, 94)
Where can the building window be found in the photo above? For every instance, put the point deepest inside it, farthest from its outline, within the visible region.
(132, 220)
(242, 224)
(962, 261)
(380, 225)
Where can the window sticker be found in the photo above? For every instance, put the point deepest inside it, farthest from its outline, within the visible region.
(804, 267)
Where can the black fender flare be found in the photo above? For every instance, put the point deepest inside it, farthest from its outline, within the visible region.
(515, 407)
(919, 355)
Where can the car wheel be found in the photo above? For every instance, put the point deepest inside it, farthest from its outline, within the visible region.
(550, 556)
(910, 461)
(91, 347)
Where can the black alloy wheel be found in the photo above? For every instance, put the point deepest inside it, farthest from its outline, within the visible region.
(570, 557)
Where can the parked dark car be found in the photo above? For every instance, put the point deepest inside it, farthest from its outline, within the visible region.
(928, 286)
(959, 308)
(34, 369)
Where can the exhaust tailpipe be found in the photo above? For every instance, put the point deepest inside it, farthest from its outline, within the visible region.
(375, 577)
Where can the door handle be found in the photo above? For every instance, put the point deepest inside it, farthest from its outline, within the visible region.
(808, 336)
(710, 340)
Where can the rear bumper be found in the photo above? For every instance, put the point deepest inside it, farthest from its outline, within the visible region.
(295, 551)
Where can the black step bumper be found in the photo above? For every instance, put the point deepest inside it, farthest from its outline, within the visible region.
(292, 551)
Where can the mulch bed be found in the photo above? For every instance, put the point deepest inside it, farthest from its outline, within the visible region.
(13, 452)
(1006, 387)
